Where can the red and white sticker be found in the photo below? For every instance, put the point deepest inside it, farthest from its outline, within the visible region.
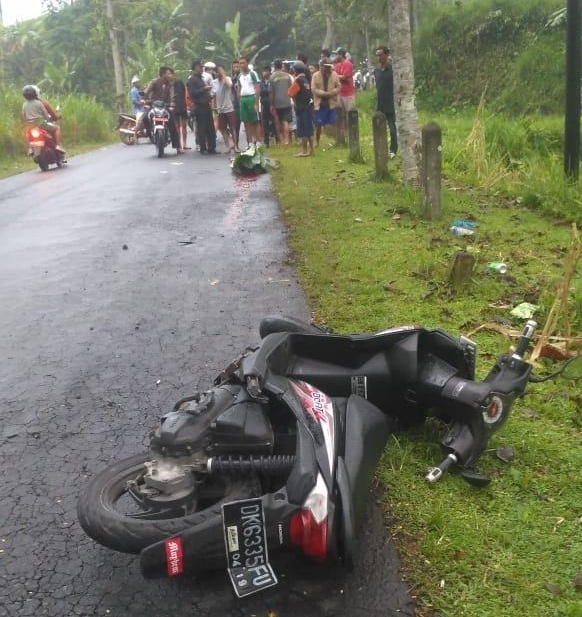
(320, 408)
(174, 556)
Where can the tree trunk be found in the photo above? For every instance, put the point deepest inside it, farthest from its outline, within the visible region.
(330, 28)
(404, 98)
(117, 61)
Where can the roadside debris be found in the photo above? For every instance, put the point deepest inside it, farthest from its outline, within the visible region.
(525, 310)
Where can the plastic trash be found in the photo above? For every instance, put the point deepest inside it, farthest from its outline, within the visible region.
(498, 267)
(464, 224)
(525, 310)
(461, 231)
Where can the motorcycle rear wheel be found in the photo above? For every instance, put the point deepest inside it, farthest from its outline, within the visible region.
(42, 161)
(128, 140)
(128, 533)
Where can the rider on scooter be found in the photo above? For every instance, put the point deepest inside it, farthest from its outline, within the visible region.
(39, 113)
(138, 105)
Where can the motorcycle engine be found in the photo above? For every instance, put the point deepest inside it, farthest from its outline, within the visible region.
(222, 420)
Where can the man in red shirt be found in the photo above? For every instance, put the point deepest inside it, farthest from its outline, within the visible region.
(347, 95)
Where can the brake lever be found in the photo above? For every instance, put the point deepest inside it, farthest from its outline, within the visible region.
(472, 476)
(436, 473)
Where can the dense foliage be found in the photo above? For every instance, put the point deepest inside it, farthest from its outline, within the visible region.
(512, 51)
(69, 49)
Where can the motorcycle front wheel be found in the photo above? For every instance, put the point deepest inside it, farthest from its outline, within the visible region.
(109, 514)
(160, 143)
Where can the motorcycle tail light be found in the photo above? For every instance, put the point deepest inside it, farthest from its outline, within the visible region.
(308, 528)
(34, 133)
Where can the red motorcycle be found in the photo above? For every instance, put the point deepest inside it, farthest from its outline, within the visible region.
(42, 148)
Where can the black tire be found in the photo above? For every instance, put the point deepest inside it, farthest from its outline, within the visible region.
(160, 143)
(42, 161)
(127, 139)
(119, 532)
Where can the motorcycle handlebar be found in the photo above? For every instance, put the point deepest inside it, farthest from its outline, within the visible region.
(525, 339)
(478, 409)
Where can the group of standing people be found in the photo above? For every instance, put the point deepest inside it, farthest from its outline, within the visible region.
(307, 95)
(319, 90)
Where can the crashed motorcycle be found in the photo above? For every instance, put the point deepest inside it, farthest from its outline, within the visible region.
(42, 148)
(278, 455)
(126, 124)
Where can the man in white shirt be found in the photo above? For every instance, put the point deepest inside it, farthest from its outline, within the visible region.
(249, 90)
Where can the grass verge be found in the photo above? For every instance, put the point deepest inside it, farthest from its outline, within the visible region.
(367, 261)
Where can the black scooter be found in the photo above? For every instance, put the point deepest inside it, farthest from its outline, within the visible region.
(279, 454)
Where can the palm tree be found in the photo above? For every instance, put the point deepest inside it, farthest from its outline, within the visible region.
(404, 98)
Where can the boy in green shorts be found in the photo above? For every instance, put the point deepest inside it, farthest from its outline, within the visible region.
(249, 89)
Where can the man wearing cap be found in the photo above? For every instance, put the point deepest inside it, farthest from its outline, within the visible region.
(347, 96)
(135, 96)
(385, 94)
(137, 104)
(201, 94)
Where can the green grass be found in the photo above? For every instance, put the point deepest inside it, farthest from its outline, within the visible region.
(367, 261)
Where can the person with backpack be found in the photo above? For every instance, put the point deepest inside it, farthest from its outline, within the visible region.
(300, 90)
(249, 92)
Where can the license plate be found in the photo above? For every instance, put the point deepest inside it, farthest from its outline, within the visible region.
(245, 540)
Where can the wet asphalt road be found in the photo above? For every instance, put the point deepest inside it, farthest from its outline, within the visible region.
(127, 282)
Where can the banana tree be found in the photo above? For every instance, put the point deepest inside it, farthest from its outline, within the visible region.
(229, 44)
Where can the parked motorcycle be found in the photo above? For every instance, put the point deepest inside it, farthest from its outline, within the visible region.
(279, 453)
(42, 148)
(159, 116)
(126, 124)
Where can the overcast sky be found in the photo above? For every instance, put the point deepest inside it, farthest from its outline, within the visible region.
(19, 10)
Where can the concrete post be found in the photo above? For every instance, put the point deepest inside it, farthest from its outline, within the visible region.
(340, 136)
(354, 136)
(431, 171)
(380, 135)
